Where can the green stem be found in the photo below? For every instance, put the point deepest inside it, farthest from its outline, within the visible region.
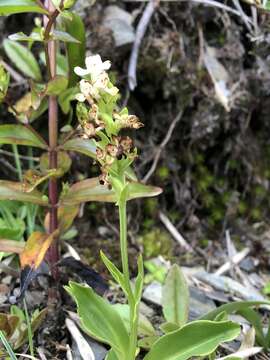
(29, 330)
(123, 239)
(133, 313)
(17, 161)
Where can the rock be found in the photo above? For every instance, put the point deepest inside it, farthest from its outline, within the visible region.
(226, 284)
(199, 303)
(247, 264)
(119, 22)
(99, 351)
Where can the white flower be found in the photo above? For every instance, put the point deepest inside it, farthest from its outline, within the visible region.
(94, 67)
(80, 97)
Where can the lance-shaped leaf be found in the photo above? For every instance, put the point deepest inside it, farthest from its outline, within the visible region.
(83, 146)
(23, 59)
(100, 319)
(66, 216)
(10, 190)
(91, 190)
(35, 249)
(175, 297)
(11, 246)
(32, 256)
(75, 52)
(232, 307)
(198, 338)
(137, 190)
(9, 7)
(20, 135)
(87, 190)
(145, 328)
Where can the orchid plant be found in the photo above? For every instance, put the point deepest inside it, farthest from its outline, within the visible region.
(97, 133)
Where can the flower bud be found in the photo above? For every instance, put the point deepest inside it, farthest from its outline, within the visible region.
(69, 3)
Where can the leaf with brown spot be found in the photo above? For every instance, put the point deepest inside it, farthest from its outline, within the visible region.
(36, 247)
(66, 216)
(10, 190)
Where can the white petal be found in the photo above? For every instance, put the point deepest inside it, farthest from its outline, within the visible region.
(93, 61)
(80, 71)
(106, 65)
(80, 97)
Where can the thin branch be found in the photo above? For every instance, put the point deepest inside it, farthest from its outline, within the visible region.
(174, 232)
(140, 31)
(162, 146)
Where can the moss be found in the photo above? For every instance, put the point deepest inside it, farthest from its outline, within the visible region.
(163, 173)
(155, 243)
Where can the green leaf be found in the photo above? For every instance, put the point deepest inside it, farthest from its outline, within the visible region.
(232, 308)
(99, 318)
(20, 135)
(83, 146)
(255, 319)
(145, 328)
(57, 85)
(21, 36)
(75, 52)
(169, 327)
(66, 97)
(87, 190)
(111, 355)
(61, 63)
(137, 190)
(23, 59)
(63, 36)
(147, 342)
(10, 190)
(9, 7)
(198, 338)
(175, 297)
(116, 274)
(91, 190)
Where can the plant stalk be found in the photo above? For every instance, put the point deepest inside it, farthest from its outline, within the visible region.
(133, 313)
(50, 50)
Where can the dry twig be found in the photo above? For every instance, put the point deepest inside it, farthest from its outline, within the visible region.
(140, 31)
(161, 147)
(174, 232)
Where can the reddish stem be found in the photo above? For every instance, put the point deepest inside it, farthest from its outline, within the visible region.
(53, 254)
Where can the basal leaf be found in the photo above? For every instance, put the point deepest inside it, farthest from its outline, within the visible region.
(198, 338)
(100, 319)
(233, 307)
(175, 297)
(23, 59)
(145, 328)
(20, 135)
(9, 7)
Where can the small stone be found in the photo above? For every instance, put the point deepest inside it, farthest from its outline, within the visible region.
(119, 22)
(247, 264)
